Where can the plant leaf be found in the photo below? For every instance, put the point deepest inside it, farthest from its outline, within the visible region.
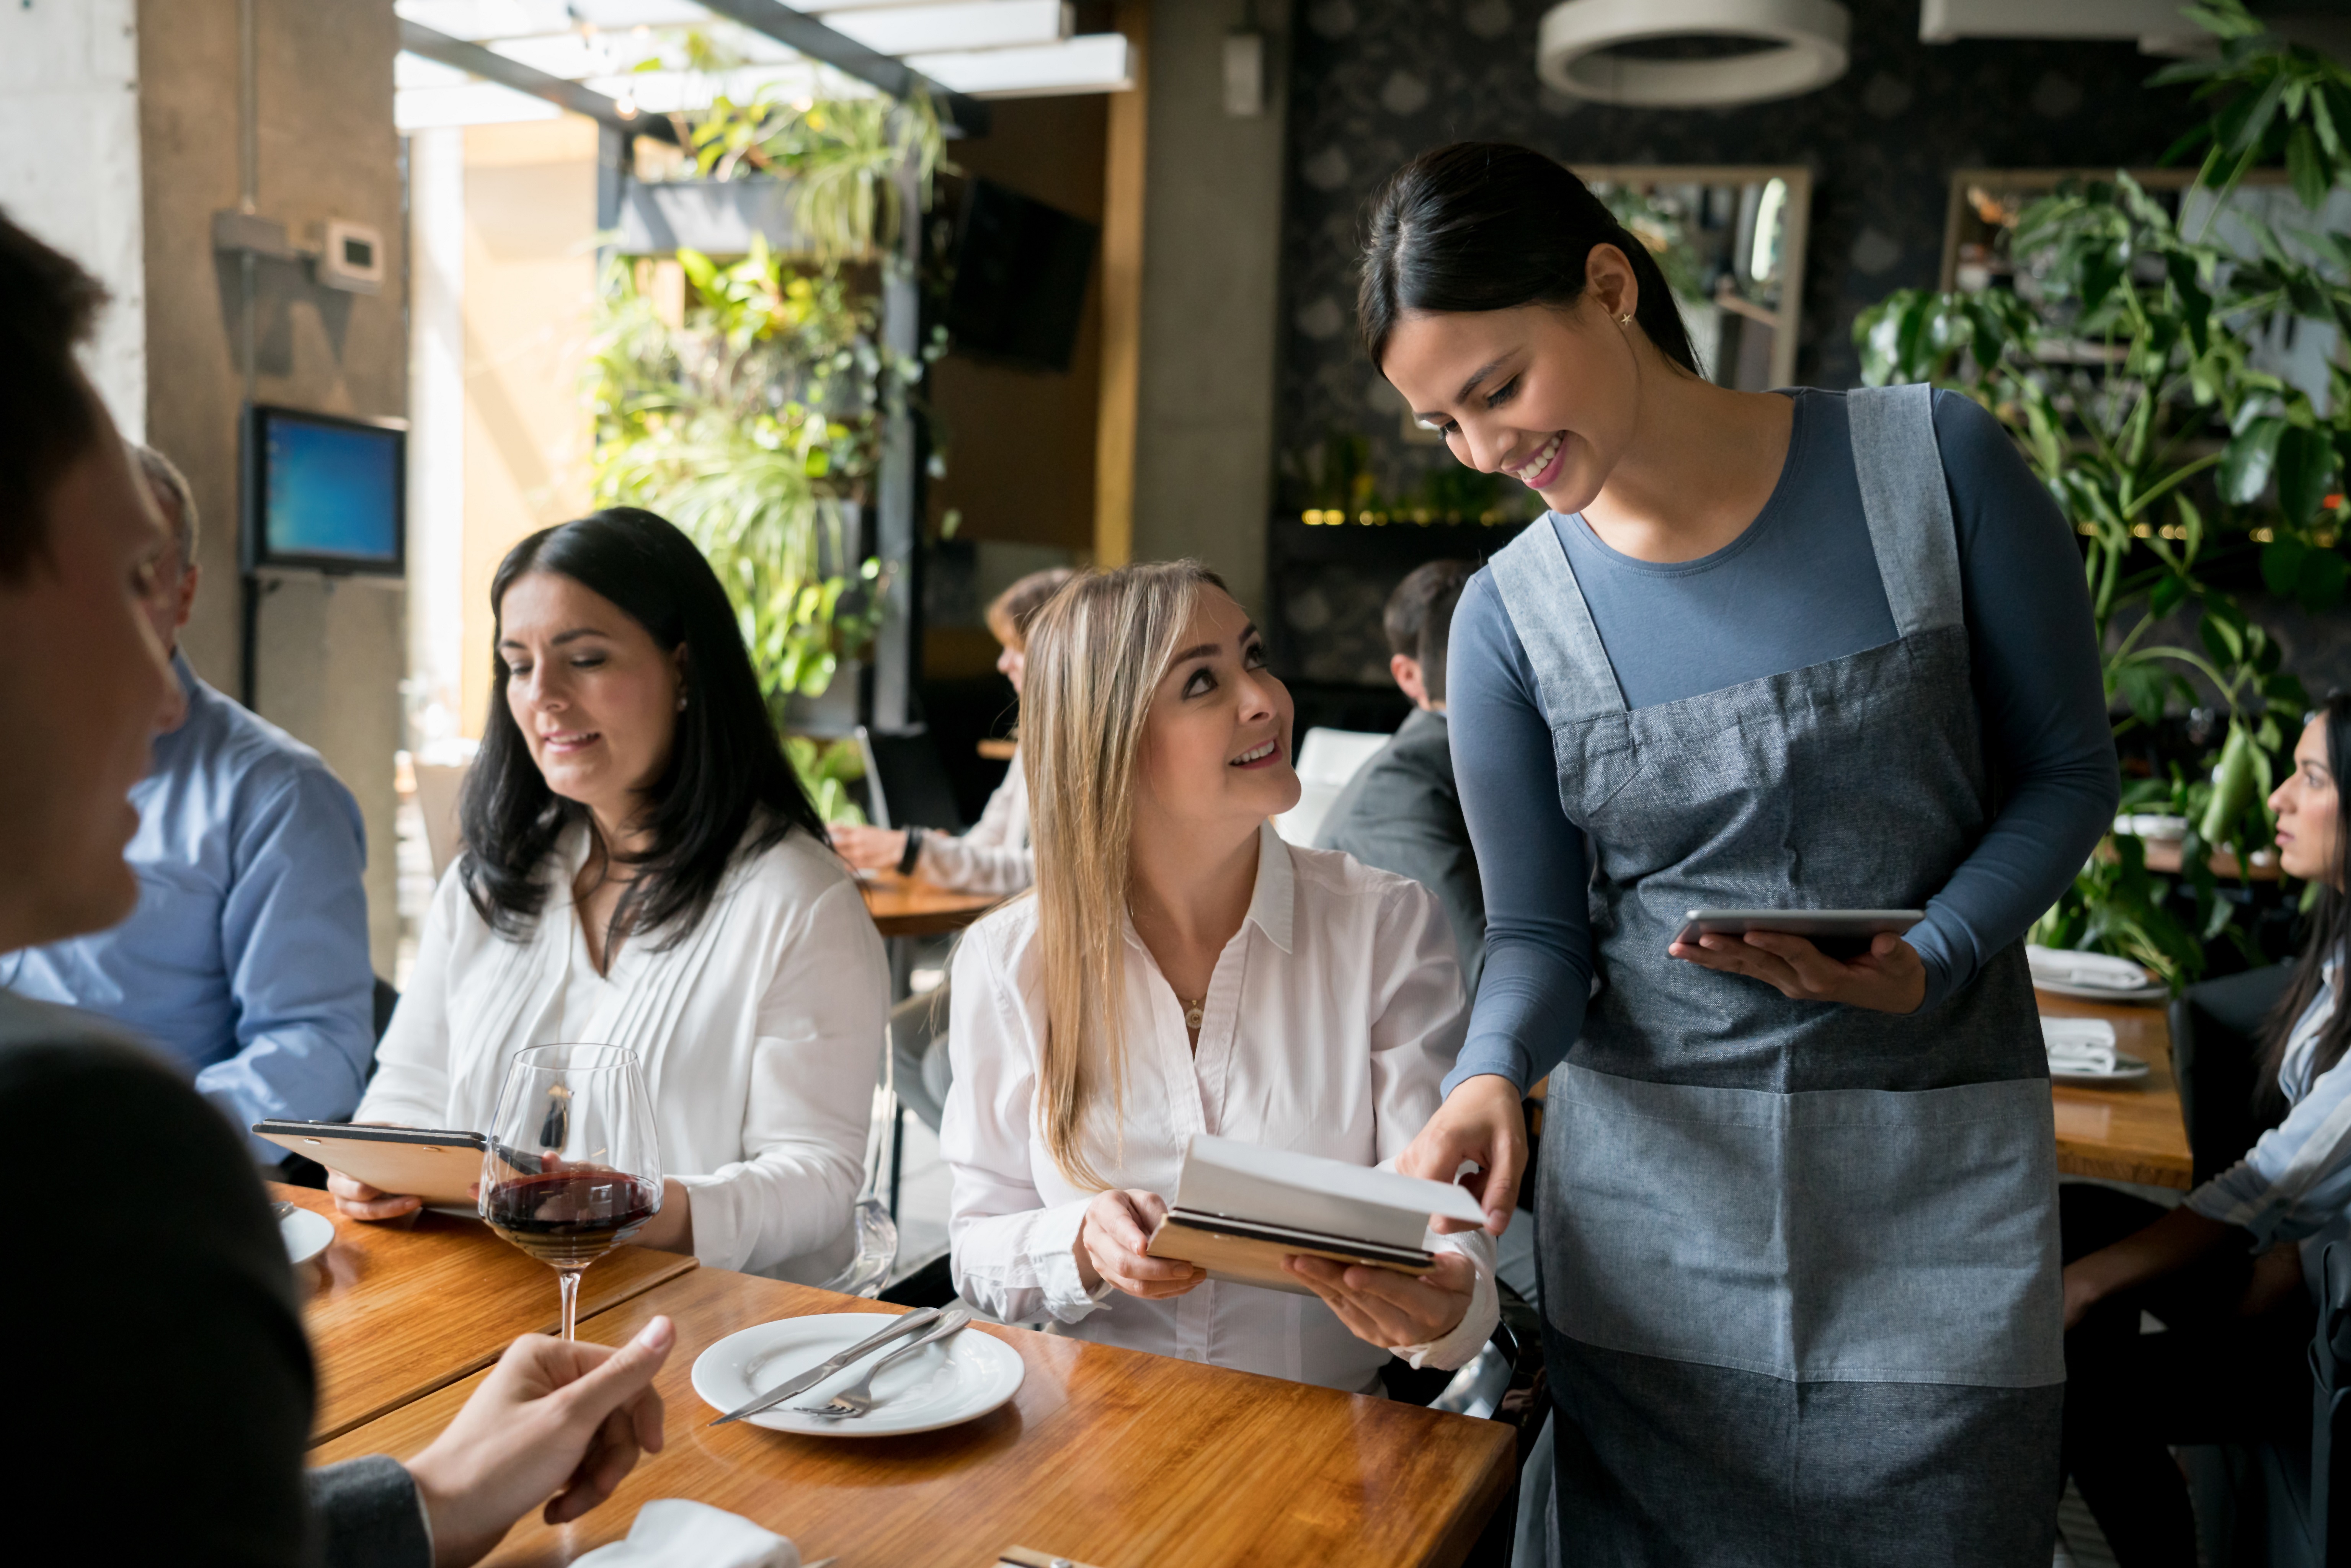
(2246, 463)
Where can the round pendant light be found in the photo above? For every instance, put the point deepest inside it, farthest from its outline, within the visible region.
(1804, 48)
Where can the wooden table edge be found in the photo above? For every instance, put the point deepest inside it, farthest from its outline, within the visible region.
(322, 1434)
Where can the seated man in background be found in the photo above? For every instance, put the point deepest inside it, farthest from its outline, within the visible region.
(1400, 812)
(162, 1240)
(247, 957)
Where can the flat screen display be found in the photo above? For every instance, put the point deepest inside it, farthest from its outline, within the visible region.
(324, 492)
(1020, 278)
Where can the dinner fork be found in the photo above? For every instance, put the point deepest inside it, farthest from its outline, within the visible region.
(858, 1398)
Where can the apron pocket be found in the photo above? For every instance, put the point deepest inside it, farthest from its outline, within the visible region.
(1834, 1235)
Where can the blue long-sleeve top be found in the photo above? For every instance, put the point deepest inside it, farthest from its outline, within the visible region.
(1798, 588)
(247, 957)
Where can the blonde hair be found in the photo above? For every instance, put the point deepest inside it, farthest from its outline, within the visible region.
(1096, 654)
(1009, 614)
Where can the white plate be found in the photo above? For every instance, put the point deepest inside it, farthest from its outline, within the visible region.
(956, 1380)
(306, 1235)
(2153, 991)
(2128, 1069)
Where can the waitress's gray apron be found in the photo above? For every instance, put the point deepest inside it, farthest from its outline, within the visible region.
(1799, 1260)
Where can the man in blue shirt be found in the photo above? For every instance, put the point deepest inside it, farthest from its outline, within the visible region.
(247, 958)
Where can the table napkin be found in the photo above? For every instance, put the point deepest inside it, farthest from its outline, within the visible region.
(2100, 970)
(671, 1532)
(2079, 1045)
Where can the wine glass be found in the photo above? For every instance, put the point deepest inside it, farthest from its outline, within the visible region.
(573, 1169)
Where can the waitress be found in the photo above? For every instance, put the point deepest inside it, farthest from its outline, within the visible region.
(1797, 1217)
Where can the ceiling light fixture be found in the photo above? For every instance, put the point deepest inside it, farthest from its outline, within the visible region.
(1579, 50)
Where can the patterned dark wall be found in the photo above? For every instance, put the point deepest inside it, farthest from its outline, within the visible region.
(1374, 81)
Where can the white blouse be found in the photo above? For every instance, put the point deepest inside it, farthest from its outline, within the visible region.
(1330, 1018)
(761, 1033)
(994, 856)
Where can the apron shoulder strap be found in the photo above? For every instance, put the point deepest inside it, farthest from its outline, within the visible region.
(1900, 467)
(1572, 676)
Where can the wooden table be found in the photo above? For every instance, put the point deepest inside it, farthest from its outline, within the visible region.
(909, 906)
(2132, 1132)
(1106, 1456)
(395, 1311)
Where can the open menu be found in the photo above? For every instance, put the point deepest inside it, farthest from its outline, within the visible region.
(1241, 1208)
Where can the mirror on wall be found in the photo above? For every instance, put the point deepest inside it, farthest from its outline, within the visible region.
(1730, 241)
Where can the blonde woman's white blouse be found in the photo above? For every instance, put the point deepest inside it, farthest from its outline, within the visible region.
(760, 1031)
(994, 856)
(1332, 1016)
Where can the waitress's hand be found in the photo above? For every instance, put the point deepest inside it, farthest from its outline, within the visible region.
(1889, 978)
(1389, 1308)
(1479, 1121)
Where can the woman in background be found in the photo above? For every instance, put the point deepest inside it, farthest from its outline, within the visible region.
(2233, 1273)
(993, 857)
(642, 868)
(1181, 970)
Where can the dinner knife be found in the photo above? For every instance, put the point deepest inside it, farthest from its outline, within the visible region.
(900, 1326)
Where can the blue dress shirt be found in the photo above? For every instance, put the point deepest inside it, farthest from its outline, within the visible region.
(247, 958)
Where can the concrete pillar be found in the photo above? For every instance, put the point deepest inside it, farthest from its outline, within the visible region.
(331, 654)
(1212, 246)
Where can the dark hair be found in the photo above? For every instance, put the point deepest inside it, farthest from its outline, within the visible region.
(1418, 618)
(48, 417)
(725, 765)
(1486, 225)
(1010, 611)
(2330, 929)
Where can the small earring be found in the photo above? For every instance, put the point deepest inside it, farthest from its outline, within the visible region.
(1625, 319)
(680, 702)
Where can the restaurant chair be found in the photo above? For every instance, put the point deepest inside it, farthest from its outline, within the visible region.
(2330, 1415)
(2252, 1500)
(2216, 1030)
(906, 785)
(1504, 1384)
(1327, 758)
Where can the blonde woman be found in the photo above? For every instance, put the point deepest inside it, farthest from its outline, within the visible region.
(1180, 969)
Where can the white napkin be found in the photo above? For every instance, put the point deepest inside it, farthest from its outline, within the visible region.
(671, 1532)
(2079, 1045)
(2100, 970)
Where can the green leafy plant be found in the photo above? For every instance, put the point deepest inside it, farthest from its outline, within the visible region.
(2127, 367)
(827, 769)
(845, 159)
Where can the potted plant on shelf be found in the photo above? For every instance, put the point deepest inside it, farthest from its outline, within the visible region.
(2130, 364)
(750, 400)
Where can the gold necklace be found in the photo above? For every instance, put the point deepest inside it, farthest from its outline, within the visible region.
(1193, 1012)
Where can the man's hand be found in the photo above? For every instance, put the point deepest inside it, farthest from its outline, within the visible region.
(1111, 1242)
(1382, 1307)
(1479, 1121)
(869, 849)
(1889, 978)
(556, 1421)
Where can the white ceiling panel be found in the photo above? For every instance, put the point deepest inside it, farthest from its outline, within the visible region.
(1092, 62)
(473, 103)
(939, 29)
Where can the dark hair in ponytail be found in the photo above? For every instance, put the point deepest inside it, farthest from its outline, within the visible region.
(1486, 225)
(2330, 929)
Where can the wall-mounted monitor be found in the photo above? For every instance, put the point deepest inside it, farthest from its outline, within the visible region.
(1021, 269)
(324, 493)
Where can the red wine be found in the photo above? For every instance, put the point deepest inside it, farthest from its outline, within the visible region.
(571, 1218)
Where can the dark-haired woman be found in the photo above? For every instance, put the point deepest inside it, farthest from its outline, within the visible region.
(642, 868)
(2233, 1272)
(1797, 1212)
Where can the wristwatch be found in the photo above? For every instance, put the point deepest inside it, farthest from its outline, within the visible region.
(912, 852)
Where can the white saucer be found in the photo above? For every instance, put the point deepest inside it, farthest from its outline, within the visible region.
(948, 1383)
(306, 1235)
(2128, 1069)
